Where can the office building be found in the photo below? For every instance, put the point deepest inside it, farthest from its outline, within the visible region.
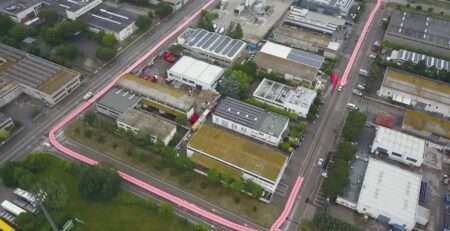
(116, 102)
(311, 20)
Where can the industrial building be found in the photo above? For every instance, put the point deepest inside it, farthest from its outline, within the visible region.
(402, 56)
(116, 102)
(156, 127)
(417, 91)
(21, 11)
(330, 7)
(311, 20)
(72, 9)
(211, 46)
(418, 31)
(250, 121)
(390, 194)
(292, 63)
(399, 146)
(297, 100)
(195, 73)
(237, 157)
(115, 21)
(161, 97)
(422, 124)
(21, 72)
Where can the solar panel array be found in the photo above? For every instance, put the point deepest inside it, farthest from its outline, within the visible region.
(240, 112)
(29, 70)
(306, 58)
(213, 43)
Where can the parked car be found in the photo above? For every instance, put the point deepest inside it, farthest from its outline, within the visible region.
(361, 86)
(320, 162)
(170, 57)
(88, 95)
(352, 106)
(357, 92)
(373, 56)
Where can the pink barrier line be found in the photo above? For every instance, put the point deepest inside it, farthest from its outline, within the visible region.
(359, 43)
(288, 206)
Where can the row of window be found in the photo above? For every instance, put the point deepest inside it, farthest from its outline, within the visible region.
(407, 158)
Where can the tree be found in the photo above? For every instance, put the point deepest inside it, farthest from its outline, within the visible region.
(166, 211)
(105, 53)
(5, 24)
(346, 151)
(206, 20)
(229, 87)
(55, 191)
(90, 118)
(17, 33)
(52, 36)
(28, 222)
(8, 174)
(4, 134)
(214, 176)
(252, 188)
(176, 49)
(163, 9)
(49, 16)
(307, 225)
(67, 52)
(99, 183)
(143, 22)
(109, 40)
(236, 32)
(38, 162)
(200, 227)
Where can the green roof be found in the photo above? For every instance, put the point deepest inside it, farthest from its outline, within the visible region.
(424, 122)
(239, 151)
(418, 81)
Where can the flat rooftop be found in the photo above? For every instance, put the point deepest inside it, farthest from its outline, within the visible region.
(281, 94)
(12, 7)
(390, 189)
(33, 71)
(238, 151)
(301, 36)
(411, 56)
(62, 6)
(424, 122)
(293, 55)
(144, 121)
(159, 92)
(420, 28)
(108, 18)
(417, 85)
(251, 116)
(313, 20)
(212, 43)
(119, 99)
(399, 142)
(197, 70)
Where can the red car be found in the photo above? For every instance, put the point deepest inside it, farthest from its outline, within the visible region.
(170, 57)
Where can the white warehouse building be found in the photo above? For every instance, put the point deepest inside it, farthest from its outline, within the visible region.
(399, 146)
(391, 194)
(195, 73)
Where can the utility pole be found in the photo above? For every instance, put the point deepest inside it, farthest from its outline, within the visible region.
(40, 199)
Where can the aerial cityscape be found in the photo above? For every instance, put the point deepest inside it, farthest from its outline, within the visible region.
(240, 115)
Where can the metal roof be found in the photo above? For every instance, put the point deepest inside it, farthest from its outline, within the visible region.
(294, 55)
(390, 191)
(67, 5)
(213, 43)
(108, 18)
(411, 56)
(197, 70)
(251, 116)
(312, 20)
(13, 7)
(398, 142)
(119, 99)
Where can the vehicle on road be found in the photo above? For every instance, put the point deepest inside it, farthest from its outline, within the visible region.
(357, 92)
(340, 88)
(12, 208)
(320, 162)
(363, 72)
(88, 95)
(352, 107)
(361, 86)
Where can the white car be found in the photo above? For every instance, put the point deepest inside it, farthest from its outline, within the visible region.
(339, 89)
(373, 56)
(357, 92)
(361, 86)
(320, 162)
(352, 106)
(88, 95)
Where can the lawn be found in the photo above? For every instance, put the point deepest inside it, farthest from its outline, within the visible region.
(118, 148)
(123, 212)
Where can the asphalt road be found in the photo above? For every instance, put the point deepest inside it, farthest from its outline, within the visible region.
(322, 135)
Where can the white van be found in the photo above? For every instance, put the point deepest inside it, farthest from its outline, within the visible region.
(352, 107)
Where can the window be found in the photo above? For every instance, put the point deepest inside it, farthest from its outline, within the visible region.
(411, 159)
(396, 154)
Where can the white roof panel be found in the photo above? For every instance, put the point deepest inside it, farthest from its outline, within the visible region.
(391, 191)
(400, 143)
(197, 70)
(276, 50)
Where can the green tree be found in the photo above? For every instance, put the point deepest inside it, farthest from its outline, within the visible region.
(67, 52)
(49, 16)
(8, 174)
(28, 222)
(38, 162)
(109, 40)
(200, 227)
(307, 225)
(56, 192)
(354, 125)
(17, 33)
(237, 32)
(143, 22)
(176, 49)
(90, 118)
(166, 211)
(346, 151)
(105, 53)
(99, 183)
(252, 188)
(229, 87)
(163, 9)
(52, 36)
(214, 176)
(206, 20)
(4, 134)
(5, 24)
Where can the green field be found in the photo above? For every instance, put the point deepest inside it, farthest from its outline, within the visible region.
(123, 212)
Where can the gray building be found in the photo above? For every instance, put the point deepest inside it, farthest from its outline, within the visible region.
(21, 11)
(116, 102)
(6, 122)
(116, 21)
(72, 9)
(333, 7)
(418, 31)
(250, 120)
